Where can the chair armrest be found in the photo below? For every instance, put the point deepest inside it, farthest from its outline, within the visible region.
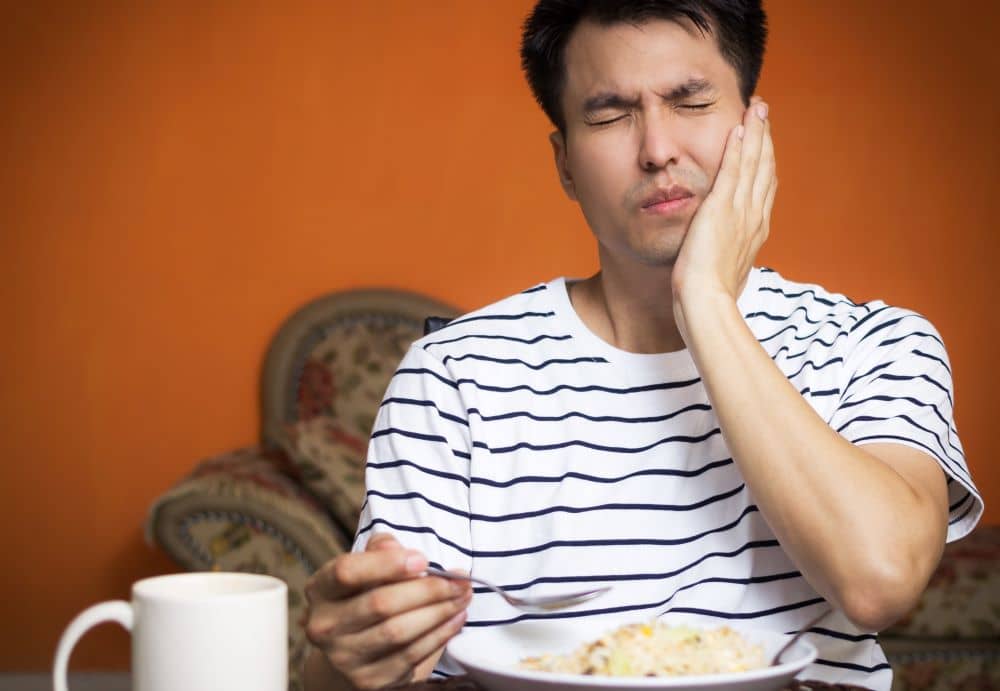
(962, 600)
(951, 640)
(245, 511)
(253, 487)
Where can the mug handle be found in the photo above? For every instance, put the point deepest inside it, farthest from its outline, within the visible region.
(115, 610)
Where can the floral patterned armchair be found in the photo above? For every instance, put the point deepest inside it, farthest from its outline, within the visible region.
(290, 503)
(951, 640)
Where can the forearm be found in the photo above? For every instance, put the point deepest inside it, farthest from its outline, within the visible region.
(858, 531)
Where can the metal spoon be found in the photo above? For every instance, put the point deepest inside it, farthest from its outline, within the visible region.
(544, 603)
(797, 636)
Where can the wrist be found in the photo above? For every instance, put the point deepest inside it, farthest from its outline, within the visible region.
(703, 303)
(319, 675)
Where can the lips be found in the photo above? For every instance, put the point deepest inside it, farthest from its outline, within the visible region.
(668, 194)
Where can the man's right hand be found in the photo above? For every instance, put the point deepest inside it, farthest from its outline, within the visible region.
(376, 621)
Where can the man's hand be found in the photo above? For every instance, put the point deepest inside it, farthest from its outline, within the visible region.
(376, 621)
(732, 222)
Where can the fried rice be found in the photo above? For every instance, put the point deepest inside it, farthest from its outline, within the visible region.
(653, 650)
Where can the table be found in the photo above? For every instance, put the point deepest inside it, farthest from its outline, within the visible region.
(466, 684)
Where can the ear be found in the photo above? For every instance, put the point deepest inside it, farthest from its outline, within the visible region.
(559, 152)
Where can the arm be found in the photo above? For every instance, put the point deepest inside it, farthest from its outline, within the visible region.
(867, 525)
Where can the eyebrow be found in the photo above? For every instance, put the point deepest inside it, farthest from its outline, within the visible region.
(612, 100)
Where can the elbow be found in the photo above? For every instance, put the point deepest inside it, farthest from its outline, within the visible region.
(873, 614)
(880, 598)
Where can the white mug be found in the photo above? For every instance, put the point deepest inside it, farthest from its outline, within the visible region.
(196, 632)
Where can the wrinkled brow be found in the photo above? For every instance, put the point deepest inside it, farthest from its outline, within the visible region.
(612, 100)
(692, 87)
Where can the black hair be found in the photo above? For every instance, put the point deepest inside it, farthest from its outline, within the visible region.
(739, 27)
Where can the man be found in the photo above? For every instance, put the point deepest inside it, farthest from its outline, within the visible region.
(711, 439)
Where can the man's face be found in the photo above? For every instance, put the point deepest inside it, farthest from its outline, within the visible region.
(647, 110)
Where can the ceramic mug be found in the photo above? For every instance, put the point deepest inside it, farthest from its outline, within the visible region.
(197, 632)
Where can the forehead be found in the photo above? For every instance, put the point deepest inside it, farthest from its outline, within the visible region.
(629, 59)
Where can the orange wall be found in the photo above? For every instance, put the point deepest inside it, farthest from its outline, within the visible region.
(176, 180)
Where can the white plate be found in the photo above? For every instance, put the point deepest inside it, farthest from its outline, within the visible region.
(491, 656)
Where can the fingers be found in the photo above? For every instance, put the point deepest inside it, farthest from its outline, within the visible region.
(755, 122)
(334, 619)
(729, 170)
(398, 637)
(407, 609)
(426, 666)
(393, 634)
(764, 179)
(399, 667)
(768, 205)
(351, 573)
(393, 600)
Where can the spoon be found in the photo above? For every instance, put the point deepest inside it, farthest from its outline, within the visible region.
(797, 636)
(543, 603)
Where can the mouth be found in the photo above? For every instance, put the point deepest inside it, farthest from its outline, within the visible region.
(669, 200)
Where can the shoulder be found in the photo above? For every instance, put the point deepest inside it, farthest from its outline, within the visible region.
(778, 295)
(514, 319)
(818, 310)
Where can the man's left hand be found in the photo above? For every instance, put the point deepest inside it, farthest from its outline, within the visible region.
(732, 222)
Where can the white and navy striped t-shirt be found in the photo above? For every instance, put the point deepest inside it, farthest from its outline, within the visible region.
(515, 444)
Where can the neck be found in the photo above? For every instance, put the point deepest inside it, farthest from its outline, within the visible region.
(632, 310)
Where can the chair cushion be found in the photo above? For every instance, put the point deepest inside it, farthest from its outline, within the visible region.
(946, 669)
(341, 384)
(250, 482)
(324, 376)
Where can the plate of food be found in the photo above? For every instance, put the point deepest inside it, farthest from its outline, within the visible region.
(582, 655)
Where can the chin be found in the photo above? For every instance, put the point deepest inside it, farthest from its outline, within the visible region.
(645, 246)
(663, 250)
(663, 254)
(659, 259)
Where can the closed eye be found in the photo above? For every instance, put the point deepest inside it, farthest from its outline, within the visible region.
(697, 106)
(609, 121)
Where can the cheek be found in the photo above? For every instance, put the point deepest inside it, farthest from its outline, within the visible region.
(708, 148)
(599, 171)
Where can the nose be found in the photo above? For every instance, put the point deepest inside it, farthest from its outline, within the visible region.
(658, 147)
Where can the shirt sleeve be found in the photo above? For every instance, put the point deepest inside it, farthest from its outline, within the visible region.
(899, 389)
(417, 469)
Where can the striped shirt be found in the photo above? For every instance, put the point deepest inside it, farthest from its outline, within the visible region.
(517, 445)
